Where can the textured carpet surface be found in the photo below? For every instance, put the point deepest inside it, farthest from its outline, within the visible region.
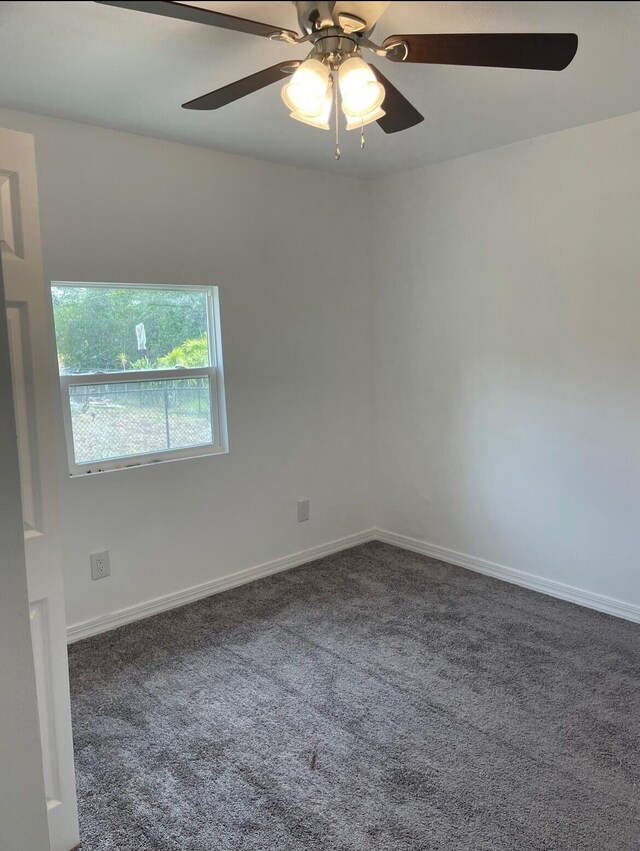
(448, 712)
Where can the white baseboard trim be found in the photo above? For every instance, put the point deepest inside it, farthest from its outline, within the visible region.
(589, 599)
(104, 623)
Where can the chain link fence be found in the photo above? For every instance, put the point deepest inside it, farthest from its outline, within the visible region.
(139, 417)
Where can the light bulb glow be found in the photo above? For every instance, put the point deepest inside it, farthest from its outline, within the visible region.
(361, 92)
(355, 123)
(320, 121)
(305, 94)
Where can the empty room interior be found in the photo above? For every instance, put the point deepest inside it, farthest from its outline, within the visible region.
(320, 426)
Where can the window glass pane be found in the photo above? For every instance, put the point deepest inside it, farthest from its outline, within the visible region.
(110, 329)
(139, 417)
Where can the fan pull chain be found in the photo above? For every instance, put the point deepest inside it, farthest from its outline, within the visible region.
(336, 156)
(362, 135)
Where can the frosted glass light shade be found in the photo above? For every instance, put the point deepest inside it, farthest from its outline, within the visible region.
(320, 121)
(305, 94)
(354, 123)
(361, 92)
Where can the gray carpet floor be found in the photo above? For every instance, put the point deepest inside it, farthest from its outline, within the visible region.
(447, 712)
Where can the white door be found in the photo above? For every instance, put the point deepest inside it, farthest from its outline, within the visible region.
(33, 371)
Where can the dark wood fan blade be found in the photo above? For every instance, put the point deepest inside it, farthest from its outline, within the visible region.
(400, 113)
(543, 51)
(244, 87)
(202, 16)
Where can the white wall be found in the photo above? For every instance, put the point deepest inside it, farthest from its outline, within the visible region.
(296, 339)
(507, 355)
(506, 302)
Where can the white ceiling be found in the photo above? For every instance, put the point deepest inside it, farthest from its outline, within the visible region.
(130, 71)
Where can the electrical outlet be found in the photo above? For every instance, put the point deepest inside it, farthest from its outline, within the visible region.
(303, 510)
(100, 565)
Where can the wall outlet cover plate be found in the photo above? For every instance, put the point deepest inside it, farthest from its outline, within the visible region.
(100, 567)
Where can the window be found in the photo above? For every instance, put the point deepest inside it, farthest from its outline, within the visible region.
(140, 372)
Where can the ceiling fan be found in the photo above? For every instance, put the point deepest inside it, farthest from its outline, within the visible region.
(338, 32)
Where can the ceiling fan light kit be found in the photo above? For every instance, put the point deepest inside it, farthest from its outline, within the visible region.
(307, 93)
(334, 71)
(361, 93)
(361, 121)
(320, 121)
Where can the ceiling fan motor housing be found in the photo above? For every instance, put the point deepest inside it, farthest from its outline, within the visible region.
(316, 15)
(334, 46)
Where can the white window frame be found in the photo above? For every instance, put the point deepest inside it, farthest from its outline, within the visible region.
(214, 373)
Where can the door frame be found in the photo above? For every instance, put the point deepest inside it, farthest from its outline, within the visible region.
(23, 812)
(28, 336)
